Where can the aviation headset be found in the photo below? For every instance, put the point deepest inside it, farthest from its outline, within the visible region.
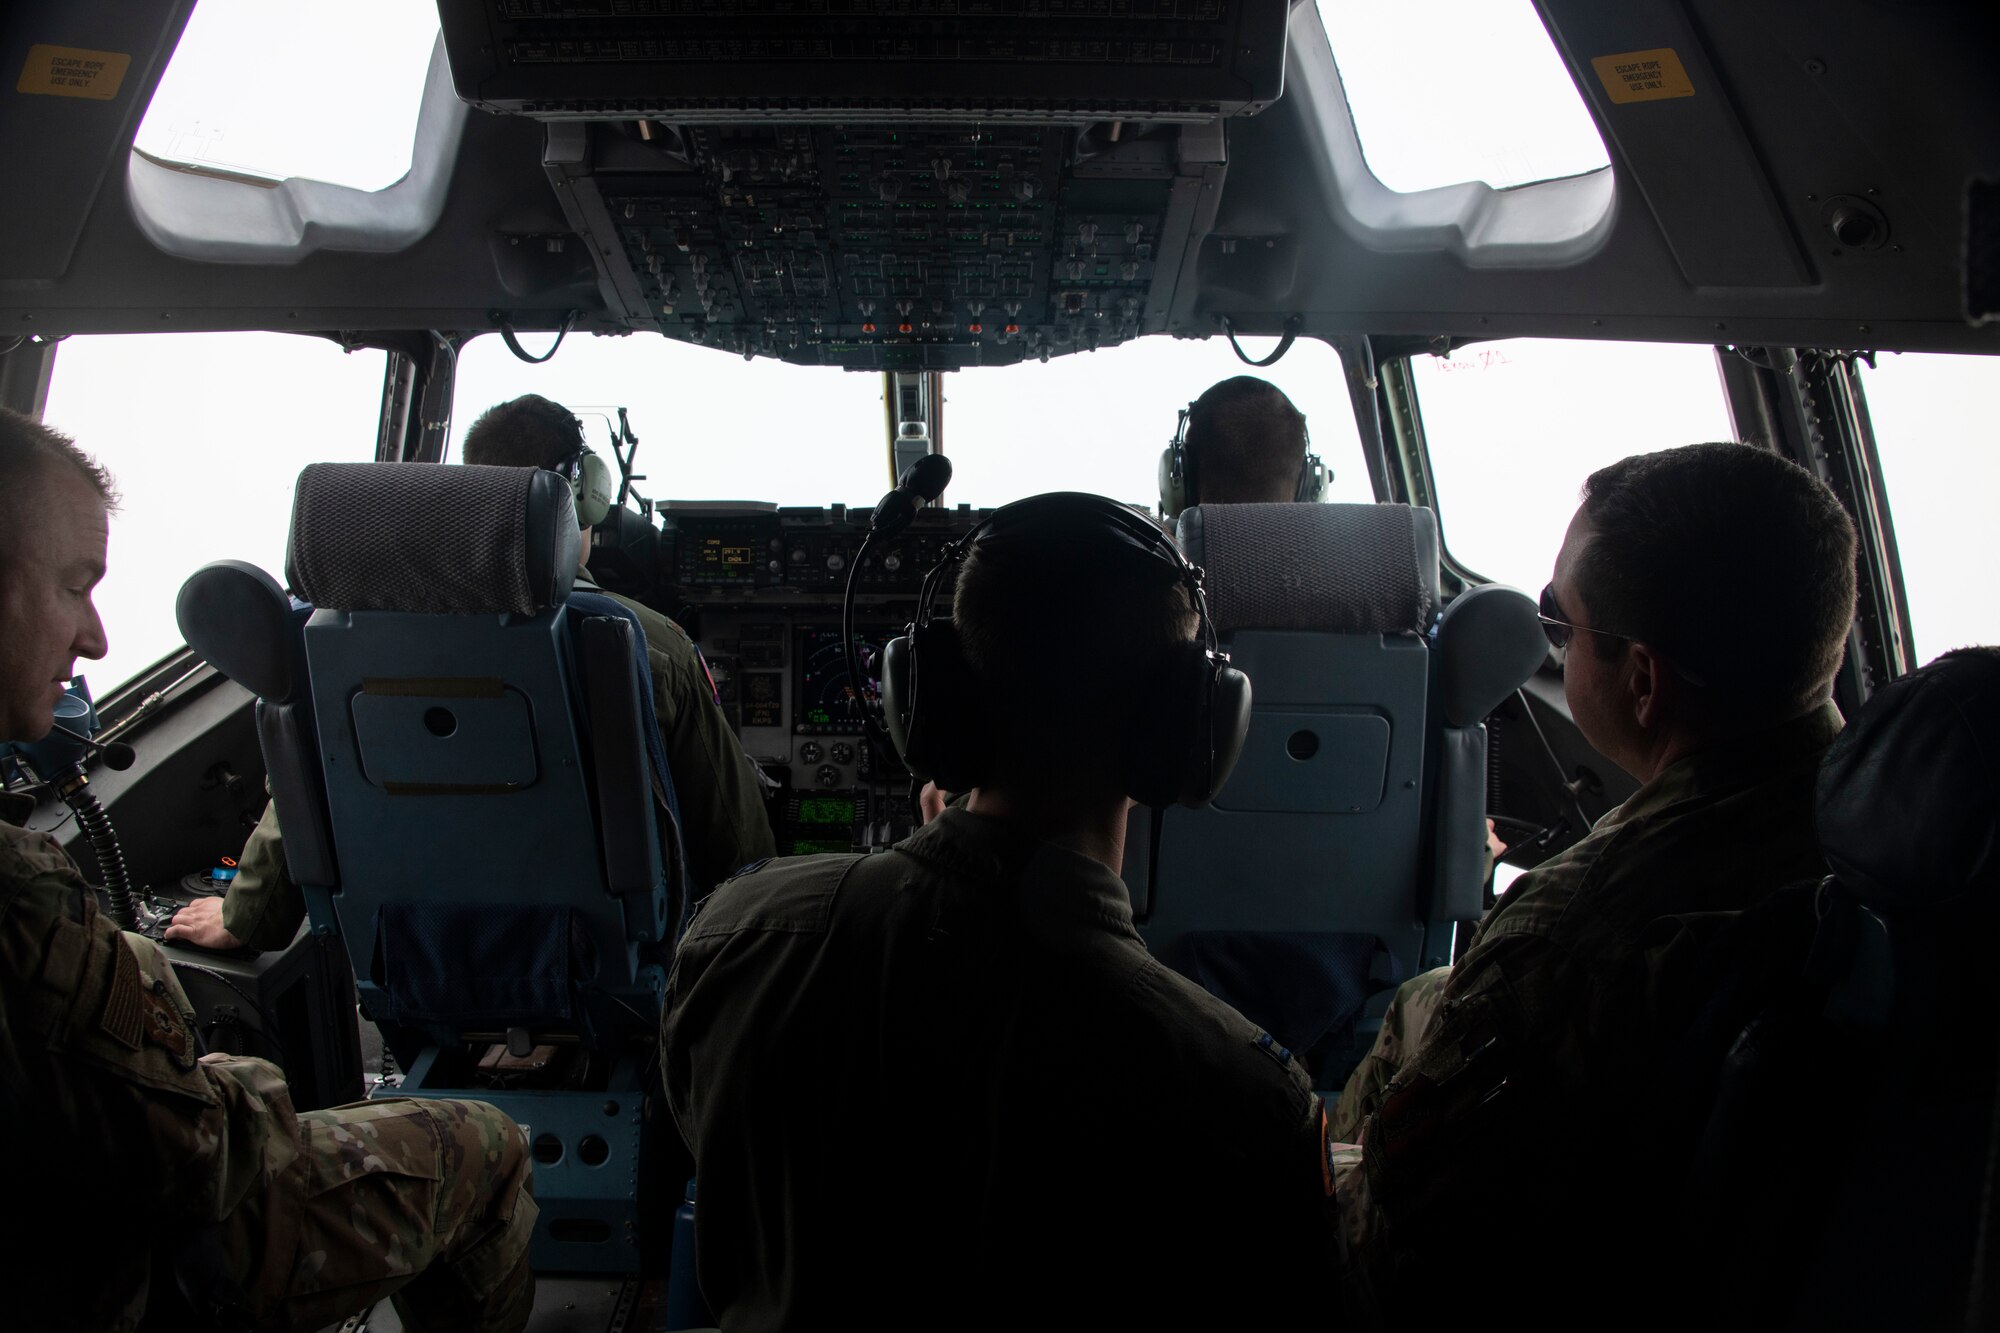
(1189, 718)
(591, 483)
(1177, 472)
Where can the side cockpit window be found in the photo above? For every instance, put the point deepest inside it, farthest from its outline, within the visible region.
(1514, 427)
(1932, 417)
(204, 434)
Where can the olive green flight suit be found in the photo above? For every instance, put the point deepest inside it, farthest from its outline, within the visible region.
(722, 808)
(131, 1154)
(947, 1086)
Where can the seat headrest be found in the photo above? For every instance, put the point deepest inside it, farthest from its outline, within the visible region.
(1909, 795)
(1489, 641)
(240, 621)
(444, 540)
(1334, 568)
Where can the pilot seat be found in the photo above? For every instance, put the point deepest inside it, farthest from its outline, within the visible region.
(477, 805)
(1348, 845)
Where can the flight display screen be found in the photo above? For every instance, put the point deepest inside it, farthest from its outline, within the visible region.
(726, 556)
(826, 694)
(823, 824)
(837, 810)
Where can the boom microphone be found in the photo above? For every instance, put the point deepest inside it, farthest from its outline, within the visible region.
(921, 483)
(118, 756)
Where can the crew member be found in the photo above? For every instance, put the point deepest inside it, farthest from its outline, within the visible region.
(1241, 442)
(722, 809)
(1011, 1112)
(1522, 1104)
(136, 1159)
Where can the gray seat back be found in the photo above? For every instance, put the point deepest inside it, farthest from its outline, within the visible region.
(476, 889)
(1325, 608)
(1354, 825)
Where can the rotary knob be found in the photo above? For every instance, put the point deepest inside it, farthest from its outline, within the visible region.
(809, 753)
(836, 562)
(892, 562)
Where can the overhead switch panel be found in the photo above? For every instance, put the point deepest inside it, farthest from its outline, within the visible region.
(917, 247)
(725, 61)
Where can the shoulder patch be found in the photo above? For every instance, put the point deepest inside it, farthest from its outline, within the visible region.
(124, 1016)
(167, 1029)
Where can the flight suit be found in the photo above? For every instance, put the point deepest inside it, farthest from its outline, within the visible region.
(722, 808)
(1528, 1100)
(947, 1085)
(133, 1155)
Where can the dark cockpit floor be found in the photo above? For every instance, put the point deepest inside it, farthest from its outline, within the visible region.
(563, 1304)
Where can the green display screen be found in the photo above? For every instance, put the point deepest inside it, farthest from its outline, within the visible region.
(826, 810)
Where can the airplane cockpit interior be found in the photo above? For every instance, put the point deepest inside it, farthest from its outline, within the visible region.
(828, 283)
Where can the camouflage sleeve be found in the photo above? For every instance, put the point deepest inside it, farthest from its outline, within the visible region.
(721, 804)
(264, 907)
(1453, 1136)
(1403, 1027)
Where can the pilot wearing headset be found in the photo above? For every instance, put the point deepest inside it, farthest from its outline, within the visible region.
(947, 1084)
(722, 808)
(1241, 442)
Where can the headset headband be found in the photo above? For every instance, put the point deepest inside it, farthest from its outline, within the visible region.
(1138, 531)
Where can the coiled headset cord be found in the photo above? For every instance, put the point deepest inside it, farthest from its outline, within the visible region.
(96, 826)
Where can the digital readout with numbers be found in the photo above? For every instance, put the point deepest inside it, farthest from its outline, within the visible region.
(717, 554)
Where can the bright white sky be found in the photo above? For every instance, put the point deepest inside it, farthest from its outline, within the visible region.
(206, 432)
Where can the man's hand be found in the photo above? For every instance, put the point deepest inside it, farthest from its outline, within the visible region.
(930, 803)
(1494, 847)
(200, 923)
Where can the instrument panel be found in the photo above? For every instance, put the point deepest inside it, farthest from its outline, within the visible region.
(760, 589)
(709, 554)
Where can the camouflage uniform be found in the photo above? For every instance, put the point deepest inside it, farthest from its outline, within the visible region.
(132, 1155)
(1403, 1027)
(1529, 1102)
(722, 808)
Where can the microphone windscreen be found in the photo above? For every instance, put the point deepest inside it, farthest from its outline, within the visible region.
(928, 476)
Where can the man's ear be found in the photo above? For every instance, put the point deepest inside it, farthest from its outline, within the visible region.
(1649, 684)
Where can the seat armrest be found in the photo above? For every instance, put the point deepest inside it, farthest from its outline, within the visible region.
(292, 762)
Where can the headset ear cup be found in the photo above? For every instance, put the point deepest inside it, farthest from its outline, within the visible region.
(594, 488)
(1173, 483)
(1163, 726)
(896, 695)
(1312, 480)
(947, 739)
(1228, 724)
(1188, 731)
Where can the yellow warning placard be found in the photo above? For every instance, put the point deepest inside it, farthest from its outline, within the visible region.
(71, 71)
(1643, 76)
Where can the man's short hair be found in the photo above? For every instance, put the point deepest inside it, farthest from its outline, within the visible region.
(1734, 563)
(1059, 621)
(28, 450)
(529, 431)
(1248, 443)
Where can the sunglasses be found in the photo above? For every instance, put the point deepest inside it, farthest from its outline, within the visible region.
(1560, 629)
(1557, 625)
